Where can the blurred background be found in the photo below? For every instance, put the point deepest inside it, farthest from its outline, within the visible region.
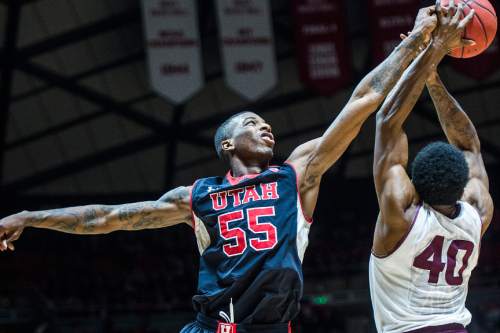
(80, 123)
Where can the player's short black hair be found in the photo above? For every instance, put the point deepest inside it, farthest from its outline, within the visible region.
(440, 173)
(224, 132)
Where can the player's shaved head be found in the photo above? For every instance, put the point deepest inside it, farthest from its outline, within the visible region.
(225, 131)
(440, 173)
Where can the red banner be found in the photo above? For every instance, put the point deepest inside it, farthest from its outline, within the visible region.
(388, 19)
(322, 51)
(483, 65)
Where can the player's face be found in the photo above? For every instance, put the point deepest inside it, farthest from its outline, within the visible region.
(252, 137)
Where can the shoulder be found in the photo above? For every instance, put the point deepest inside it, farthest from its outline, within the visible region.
(179, 194)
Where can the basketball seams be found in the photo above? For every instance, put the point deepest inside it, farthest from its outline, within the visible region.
(480, 22)
(485, 8)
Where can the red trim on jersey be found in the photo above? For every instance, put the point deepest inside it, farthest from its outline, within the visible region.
(308, 218)
(191, 204)
(236, 180)
(400, 242)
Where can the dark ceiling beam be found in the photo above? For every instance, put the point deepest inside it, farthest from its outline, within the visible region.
(172, 147)
(300, 96)
(64, 126)
(21, 2)
(262, 106)
(105, 102)
(7, 73)
(85, 163)
(92, 96)
(131, 58)
(95, 159)
(81, 33)
(120, 62)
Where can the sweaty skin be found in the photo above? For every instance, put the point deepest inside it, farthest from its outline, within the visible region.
(396, 194)
(248, 151)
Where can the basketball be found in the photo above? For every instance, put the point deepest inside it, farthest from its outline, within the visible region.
(481, 29)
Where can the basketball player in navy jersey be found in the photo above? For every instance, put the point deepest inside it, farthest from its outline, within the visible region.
(428, 232)
(251, 225)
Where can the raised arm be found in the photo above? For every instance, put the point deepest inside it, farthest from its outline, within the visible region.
(171, 209)
(461, 133)
(315, 157)
(395, 192)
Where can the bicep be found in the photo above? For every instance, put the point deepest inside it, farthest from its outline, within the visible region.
(300, 157)
(396, 193)
(171, 209)
(476, 192)
(479, 197)
(391, 150)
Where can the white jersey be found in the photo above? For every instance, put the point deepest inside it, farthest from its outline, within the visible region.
(424, 281)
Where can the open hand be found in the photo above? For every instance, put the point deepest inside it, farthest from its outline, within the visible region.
(11, 229)
(425, 23)
(449, 33)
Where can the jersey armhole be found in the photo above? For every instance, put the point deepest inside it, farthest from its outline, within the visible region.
(191, 204)
(401, 241)
(308, 218)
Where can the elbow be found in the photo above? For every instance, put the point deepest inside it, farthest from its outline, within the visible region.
(368, 98)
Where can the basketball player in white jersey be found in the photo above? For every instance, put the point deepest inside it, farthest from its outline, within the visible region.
(428, 232)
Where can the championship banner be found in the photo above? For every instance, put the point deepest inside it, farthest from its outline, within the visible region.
(389, 19)
(247, 45)
(322, 52)
(173, 48)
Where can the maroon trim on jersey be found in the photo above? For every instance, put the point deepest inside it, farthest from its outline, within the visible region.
(448, 328)
(308, 218)
(398, 244)
(191, 205)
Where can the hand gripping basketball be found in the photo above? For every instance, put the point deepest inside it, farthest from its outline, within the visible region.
(481, 29)
(451, 25)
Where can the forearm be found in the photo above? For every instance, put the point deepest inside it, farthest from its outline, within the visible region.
(78, 220)
(406, 93)
(457, 126)
(391, 145)
(382, 79)
(101, 219)
(365, 100)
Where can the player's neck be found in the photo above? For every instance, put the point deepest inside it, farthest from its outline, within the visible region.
(241, 168)
(450, 211)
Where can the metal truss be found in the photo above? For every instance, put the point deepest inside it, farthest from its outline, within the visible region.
(7, 55)
(161, 133)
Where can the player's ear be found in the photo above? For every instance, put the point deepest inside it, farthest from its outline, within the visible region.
(227, 145)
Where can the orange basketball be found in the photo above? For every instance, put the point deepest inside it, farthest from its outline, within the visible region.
(481, 29)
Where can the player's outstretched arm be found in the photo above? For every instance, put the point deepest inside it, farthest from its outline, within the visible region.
(395, 192)
(315, 157)
(461, 133)
(172, 208)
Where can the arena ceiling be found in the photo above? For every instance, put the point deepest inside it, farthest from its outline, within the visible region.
(79, 121)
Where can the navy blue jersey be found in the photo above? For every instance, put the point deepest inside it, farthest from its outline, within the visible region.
(252, 235)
